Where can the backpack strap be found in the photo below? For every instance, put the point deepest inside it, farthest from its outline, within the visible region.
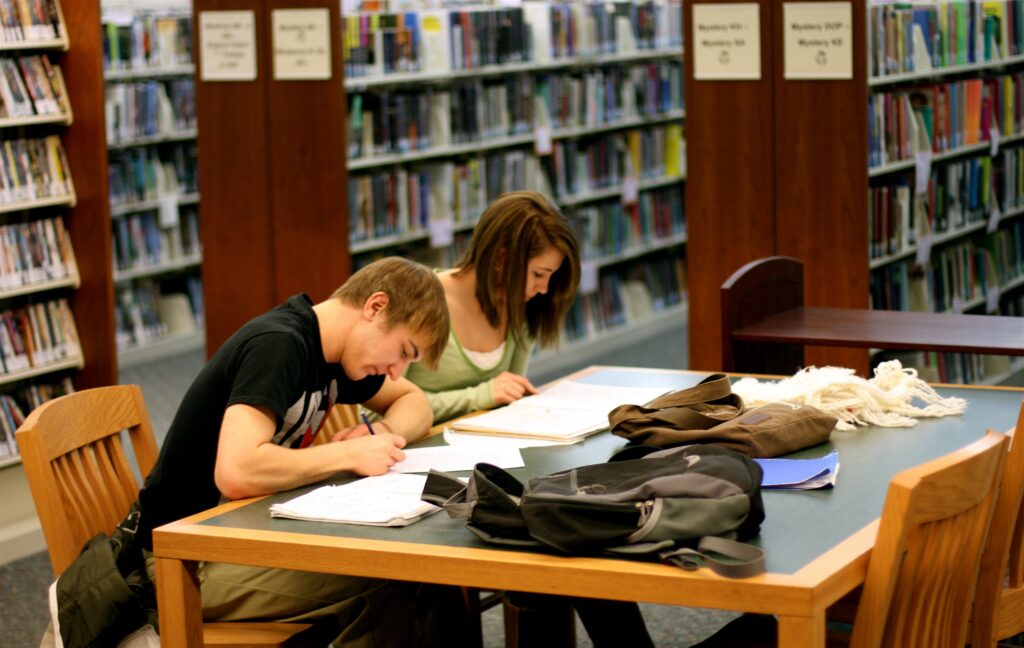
(751, 558)
(448, 492)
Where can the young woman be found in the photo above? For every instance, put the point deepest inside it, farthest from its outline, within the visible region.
(512, 287)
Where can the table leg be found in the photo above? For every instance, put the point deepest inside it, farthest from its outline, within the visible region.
(800, 632)
(179, 603)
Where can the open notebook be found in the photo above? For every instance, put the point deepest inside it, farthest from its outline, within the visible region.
(567, 411)
(385, 500)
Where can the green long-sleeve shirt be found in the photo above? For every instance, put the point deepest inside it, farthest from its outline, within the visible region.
(458, 386)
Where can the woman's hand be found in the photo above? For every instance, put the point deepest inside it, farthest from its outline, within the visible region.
(508, 387)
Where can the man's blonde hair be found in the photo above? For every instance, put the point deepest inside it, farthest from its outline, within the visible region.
(415, 299)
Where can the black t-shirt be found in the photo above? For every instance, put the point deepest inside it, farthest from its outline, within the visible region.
(275, 361)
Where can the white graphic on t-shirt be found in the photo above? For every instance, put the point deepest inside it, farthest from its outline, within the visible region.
(304, 418)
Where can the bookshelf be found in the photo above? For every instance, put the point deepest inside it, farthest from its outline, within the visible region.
(154, 199)
(457, 158)
(824, 153)
(40, 348)
(581, 102)
(946, 233)
(87, 288)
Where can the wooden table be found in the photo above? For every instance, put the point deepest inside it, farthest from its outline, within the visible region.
(851, 327)
(816, 542)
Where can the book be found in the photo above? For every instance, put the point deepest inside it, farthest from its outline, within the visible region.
(392, 499)
(800, 474)
(568, 410)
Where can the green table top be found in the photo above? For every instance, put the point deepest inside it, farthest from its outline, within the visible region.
(799, 525)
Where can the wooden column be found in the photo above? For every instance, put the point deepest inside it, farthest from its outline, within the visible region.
(272, 179)
(821, 185)
(308, 174)
(89, 221)
(234, 186)
(730, 184)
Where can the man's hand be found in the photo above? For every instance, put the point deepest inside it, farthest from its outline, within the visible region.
(508, 387)
(357, 431)
(373, 455)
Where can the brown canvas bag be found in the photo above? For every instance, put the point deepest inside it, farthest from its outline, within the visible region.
(710, 413)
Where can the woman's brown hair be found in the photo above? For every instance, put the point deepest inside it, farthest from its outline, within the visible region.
(516, 227)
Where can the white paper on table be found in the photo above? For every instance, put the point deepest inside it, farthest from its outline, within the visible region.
(567, 411)
(483, 441)
(384, 500)
(449, 458)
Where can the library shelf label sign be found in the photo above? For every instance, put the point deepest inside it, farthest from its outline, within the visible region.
(227, 45)
(818, 40)
(727, 41)
(302, 44)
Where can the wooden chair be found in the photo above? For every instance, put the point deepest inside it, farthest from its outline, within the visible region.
(756, 291)
(924, 566)
(83, 484)
(999, 603)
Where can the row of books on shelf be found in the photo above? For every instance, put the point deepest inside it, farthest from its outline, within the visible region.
(435, 198)
(141, 241)
(31, 86)
(38, 334)
(442, 40)
(146, 39)
(15, 405)
(625, 296)
(959, 277)
(959, 193)
(147, 108)
(956, 368)
(583, 166)
(34, 168)
(396, 122)
(29, 20)
(147, 311)
(909, 37)
(402, 201)
(943, 116)
(383, 123)
(607, 95)
(610, 227)
(148, 172)
(35, 252)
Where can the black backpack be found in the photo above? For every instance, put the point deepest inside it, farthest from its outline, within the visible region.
(677, 504)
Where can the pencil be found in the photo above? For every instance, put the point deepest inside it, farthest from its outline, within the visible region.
(366, 419)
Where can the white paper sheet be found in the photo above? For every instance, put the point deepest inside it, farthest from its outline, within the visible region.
(453, 458)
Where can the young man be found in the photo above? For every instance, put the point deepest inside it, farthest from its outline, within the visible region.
(245, 426)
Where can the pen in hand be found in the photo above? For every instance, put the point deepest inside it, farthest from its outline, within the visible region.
(366, 419)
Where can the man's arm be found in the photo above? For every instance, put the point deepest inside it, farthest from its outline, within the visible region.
(248, 464)
(404, 409)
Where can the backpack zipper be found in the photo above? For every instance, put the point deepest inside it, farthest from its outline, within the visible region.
(645, 508)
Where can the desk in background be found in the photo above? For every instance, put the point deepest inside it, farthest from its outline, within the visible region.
(765, 324)
(816, 542)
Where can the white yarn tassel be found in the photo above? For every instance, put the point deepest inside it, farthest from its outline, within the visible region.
(886, 400)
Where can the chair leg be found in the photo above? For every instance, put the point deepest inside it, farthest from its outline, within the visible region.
(538, 620)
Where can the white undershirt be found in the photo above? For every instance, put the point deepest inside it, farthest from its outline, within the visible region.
(486, 359)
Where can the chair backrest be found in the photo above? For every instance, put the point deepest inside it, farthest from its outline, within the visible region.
(340, 417)
(995, 616)
(924, 566)
(756, 291)
(77, 466)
